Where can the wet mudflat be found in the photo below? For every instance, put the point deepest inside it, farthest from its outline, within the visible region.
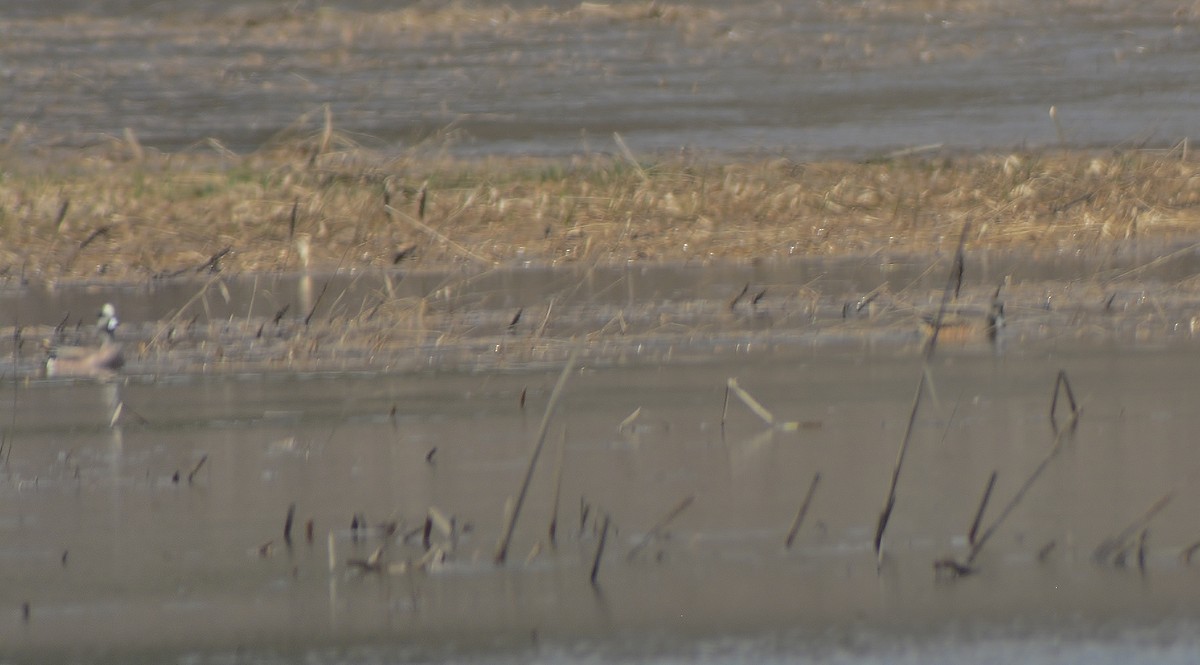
(123, 546)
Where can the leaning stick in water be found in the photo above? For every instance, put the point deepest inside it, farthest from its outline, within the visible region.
(796, 523)
(983, 502)
(662, 524)
(952, 284)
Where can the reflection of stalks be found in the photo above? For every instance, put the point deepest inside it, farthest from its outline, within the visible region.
(506, 537)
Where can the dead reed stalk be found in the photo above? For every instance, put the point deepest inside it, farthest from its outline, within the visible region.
(506, 536)
(799, 520)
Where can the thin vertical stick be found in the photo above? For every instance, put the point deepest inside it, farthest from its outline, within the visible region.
(791, 534)
(599, 551)
(506, 538)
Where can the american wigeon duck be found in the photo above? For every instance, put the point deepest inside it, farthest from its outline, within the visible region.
(101, 361)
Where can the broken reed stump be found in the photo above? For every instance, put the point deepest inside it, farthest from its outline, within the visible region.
(506, 536)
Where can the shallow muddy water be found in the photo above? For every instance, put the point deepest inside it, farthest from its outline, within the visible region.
(530, 316)
(112, 553)
(796, 78)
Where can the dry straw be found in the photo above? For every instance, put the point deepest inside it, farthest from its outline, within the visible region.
(96, 214)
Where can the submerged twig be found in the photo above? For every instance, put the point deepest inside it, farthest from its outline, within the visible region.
(660, 525)
(1115, 547)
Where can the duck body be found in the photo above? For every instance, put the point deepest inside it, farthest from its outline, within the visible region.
(960, 328)
(82, 361)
